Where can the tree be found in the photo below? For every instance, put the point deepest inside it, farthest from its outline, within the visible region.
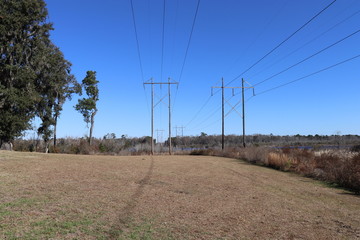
(54, 85)
(87, 106)
(23, 29)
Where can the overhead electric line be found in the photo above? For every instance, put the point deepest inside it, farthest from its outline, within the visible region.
(137, 40)
(162, 44)
(309, 75)
(190, 37)
(307, 58)
(188, 46)
(281, 43)
(258, 36)
(198, 112)
(307, 43)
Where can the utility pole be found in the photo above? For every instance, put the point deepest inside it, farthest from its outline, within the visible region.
(152, 83)
(169, 92)
(223, 115)
(152, 117)
(243, 110)
(182, 130)
(232, 108)
(159, 135)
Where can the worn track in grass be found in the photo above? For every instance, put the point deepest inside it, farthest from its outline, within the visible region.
(165, 197)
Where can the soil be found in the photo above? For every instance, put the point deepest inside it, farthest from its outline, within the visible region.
(58, 196)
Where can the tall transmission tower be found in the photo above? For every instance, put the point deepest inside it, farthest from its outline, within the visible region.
(152, 83)
(233, 108)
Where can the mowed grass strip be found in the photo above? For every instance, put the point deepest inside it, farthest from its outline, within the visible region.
(165, 197)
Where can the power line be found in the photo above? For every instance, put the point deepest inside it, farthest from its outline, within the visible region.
(311, 74)
(138, 50)
(307, 43)
(307, 58)
(188, 45)
(258, 35)
(198, 112)
(162, 44)
(137, 40)
(281, 43)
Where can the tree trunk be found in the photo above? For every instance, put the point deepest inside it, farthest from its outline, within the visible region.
(55, 131)
(91, 127)
(46, 147)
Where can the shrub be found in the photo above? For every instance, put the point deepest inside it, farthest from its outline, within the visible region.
(355, 148)
(204, 152)
(279, 161)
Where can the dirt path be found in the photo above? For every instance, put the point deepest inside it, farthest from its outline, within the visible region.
(165, 197)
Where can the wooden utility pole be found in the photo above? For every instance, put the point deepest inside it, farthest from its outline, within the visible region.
(223, 116)
(152, 83)
(152, 117)
(182, 130)
(243, 110)
(233, 108)
(169, 92)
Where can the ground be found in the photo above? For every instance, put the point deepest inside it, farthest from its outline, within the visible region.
(165, 197)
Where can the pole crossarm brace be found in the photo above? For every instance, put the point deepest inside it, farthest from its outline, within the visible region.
(152, 83)
(233, 108)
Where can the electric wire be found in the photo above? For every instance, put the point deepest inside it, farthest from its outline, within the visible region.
(187, 49)
(307, 43)
(174, 35)
(211, 114)
(307, 58)
(309, 75)
(162, 43)
(267, 25)
(189, 41)
(138, 52)
(281, 43)
(198, 112)
(137, 40)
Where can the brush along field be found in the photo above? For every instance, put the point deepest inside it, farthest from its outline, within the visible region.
(165, 197)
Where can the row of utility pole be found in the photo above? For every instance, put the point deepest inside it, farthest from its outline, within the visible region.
(233, 108)
(223, 87)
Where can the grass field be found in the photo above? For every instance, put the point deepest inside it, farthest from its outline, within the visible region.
(165, 197)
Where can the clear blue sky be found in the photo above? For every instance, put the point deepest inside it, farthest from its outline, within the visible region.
(229, 36)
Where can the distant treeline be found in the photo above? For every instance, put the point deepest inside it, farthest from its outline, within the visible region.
(124, 145)
(214, 141)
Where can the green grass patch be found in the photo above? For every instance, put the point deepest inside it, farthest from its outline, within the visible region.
(145, 230)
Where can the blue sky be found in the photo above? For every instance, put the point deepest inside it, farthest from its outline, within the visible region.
(229, 36)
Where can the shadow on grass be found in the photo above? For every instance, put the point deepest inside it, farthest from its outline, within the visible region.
(127, 212)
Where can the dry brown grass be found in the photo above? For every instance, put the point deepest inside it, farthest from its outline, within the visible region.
(165, 197)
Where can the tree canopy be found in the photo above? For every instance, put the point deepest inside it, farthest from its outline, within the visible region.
(35, 78)
(87, 106)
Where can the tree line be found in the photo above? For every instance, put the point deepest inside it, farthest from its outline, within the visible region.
(35, 77)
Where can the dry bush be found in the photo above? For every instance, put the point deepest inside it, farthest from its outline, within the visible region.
(351, 174)
(230, 153)
(257, 155)
(279, 161)
(204, 152)
(355, 148)
(339, 166)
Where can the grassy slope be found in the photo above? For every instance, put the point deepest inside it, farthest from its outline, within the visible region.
(178, 197)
